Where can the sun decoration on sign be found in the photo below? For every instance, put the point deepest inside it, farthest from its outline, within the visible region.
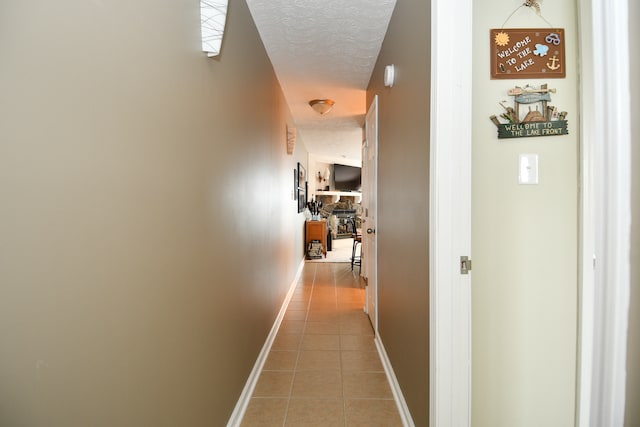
(502, 39)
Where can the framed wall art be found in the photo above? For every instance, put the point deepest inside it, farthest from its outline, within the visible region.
(302, 198)
(302, 187)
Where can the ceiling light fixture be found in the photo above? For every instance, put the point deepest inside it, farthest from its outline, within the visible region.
(322, 106)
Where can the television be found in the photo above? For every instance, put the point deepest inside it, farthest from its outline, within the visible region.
(347, 178)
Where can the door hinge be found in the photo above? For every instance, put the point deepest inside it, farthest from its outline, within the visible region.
(465, 265)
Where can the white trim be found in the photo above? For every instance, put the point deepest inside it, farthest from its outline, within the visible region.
(587, 229)
(606, 212)
(405, 415)
(450, 213)
(241, 406)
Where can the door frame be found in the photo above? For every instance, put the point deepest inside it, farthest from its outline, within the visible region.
(450, 213)
(605, 212)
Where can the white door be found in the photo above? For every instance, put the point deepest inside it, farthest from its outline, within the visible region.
(369, 211)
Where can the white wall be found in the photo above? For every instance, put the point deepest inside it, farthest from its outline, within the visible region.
(524, 243)
(318, 165)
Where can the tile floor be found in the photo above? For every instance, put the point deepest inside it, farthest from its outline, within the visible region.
(323, 368)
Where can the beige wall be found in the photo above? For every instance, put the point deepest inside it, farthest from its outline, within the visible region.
(524, 243)
(633, 355)
(317, 165)
(148, 234)
(403, 216)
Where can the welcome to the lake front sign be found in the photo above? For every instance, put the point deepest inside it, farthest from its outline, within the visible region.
(531, 114)
(523, 130)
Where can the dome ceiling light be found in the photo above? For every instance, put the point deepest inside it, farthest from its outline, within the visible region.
(322, 106)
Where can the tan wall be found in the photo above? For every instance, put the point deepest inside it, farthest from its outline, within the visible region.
(148, 234)
(524, 243)
(403, 216)
(633, 355)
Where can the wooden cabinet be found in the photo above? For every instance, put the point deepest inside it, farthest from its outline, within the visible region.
(316, 230)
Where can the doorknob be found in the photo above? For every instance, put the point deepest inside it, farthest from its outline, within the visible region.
(371, 231)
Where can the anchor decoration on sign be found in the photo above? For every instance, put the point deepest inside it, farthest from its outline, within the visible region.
(554, 63)
(531, 114)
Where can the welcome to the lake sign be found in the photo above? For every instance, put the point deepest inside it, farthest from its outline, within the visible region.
(518, 53)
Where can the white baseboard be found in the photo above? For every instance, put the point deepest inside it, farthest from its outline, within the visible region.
(405, 415)
(238, 413)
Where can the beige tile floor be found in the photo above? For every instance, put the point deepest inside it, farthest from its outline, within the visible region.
(323, 368)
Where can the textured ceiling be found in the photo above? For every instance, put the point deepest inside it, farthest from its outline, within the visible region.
(324, 49)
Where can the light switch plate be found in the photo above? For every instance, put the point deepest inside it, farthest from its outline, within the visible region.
(528, 169)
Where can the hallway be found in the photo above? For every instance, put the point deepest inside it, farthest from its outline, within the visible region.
(323, 368)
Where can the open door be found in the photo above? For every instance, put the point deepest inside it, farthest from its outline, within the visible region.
(369, 211)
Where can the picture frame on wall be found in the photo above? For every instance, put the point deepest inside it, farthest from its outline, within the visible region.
(302, 175)
(295, 184)
(302, 187)
(302, 198)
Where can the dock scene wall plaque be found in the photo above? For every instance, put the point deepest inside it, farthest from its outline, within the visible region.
(531, 114)
(518, 53)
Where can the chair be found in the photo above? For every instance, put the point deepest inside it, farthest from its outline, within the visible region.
(357, 240)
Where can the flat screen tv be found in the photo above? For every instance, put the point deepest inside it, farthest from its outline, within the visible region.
(347, 178)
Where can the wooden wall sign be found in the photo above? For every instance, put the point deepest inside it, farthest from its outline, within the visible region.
(518, 53)
(531, 114)
(523, 130)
